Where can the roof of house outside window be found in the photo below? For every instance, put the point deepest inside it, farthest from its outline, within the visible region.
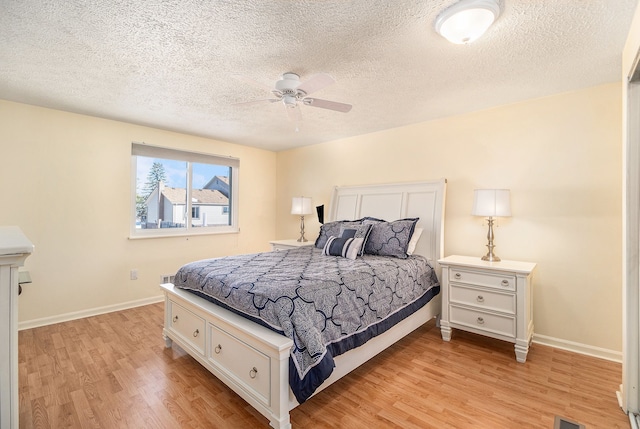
(199, 196)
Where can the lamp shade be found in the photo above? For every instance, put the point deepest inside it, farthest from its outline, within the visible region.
(491, 203)
(467, 20)
(301, 206)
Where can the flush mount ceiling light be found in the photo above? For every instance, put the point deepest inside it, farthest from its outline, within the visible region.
(467, 20)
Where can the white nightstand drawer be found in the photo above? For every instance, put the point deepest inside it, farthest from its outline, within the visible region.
(249, 367)
(483, 298)
(488, 322)
(486, 278)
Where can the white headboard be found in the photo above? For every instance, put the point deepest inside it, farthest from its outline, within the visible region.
(397, 201)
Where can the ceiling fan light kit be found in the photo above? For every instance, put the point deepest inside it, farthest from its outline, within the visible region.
(467, 20)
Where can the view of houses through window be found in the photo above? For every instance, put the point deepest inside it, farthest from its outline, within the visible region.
(182, 194)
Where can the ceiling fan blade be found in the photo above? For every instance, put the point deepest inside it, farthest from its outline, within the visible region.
(326, 104)
(260, 101)
(316, 83)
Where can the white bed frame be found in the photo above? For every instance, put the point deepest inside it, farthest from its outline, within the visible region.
(253, 360)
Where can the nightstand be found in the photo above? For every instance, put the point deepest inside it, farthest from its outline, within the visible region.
(278, 245)
(488, 298)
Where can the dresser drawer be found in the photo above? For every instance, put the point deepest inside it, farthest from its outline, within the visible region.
(483, 298)
(246, 365)
(488, 322)
(486, 278)
(188, 325)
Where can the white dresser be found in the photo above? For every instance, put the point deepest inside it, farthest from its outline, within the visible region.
(488, 298)
(278, 245)
(14, 249)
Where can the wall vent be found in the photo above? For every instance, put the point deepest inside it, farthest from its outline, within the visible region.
(167, 278)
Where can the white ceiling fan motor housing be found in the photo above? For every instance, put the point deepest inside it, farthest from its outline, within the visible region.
(286, 88)
(289, 81)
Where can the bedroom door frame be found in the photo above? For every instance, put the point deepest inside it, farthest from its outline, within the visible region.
(629, 397)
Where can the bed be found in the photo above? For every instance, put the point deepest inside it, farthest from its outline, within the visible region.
(249, 352)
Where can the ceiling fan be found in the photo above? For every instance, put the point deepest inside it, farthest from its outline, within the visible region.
(292, 93)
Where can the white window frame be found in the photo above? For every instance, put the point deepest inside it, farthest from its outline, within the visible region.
(143, 149)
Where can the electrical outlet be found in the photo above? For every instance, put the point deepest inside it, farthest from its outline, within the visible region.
(134, 274)
(167, 278)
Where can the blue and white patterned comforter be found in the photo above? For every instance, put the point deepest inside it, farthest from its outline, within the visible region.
(327, 305)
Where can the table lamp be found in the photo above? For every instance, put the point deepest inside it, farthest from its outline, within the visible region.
(491, 203)
(301, 206)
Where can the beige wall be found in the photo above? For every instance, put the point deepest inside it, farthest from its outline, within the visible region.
(561, 158)
(65, 180)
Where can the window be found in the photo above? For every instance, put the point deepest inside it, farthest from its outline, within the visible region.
(176, 192)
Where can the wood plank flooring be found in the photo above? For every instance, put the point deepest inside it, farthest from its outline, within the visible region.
(113, 371)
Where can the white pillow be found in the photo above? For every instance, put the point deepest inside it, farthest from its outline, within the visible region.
(417, 232)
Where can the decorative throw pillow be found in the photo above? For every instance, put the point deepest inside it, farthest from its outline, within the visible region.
(346, 247)
(417, 232)
(361, 231)
(389, 238)
(333, 228)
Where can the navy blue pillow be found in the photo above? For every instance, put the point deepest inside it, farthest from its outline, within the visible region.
(389, 238)
(333, 229)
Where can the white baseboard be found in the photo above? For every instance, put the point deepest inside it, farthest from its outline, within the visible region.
(571, 346)
(583, 349)
(28, 324)
(619, 398)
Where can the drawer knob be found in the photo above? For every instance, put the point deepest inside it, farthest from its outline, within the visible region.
(196, 332)
(253, 372)
(175, 318)
(505, 283)
(480, 298)
(458, 275)
(218, 349)
(480, 321)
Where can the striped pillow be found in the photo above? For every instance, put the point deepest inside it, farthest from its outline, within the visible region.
(360, 231)
(345, 247)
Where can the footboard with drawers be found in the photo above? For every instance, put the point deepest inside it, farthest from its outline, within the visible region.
(250, 359)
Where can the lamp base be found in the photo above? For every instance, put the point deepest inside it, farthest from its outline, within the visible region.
(490, 257)
(302, 239)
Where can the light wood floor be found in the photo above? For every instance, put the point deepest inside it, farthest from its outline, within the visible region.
(113, 371)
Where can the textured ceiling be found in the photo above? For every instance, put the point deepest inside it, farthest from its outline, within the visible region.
(182, 64)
